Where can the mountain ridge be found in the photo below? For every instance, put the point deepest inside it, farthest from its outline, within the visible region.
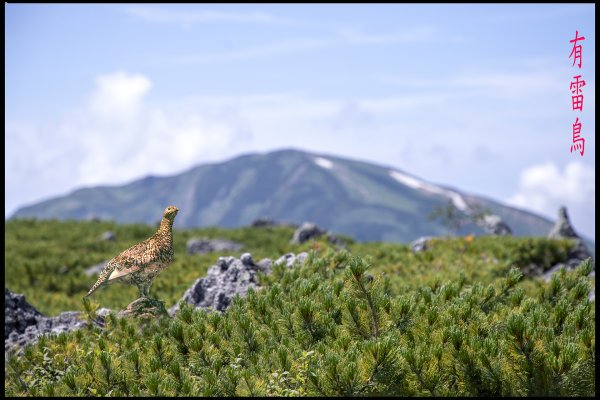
(365, 200)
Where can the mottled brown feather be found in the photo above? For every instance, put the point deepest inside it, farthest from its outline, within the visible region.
(141, 263)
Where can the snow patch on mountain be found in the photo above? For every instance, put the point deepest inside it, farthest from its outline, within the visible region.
(418, 184)
(323, 163)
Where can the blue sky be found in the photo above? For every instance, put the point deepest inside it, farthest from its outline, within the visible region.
(471, 96)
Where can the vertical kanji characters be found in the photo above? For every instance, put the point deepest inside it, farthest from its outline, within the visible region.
(577, 99)
(578, 142)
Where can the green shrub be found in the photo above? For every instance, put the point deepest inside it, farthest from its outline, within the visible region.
(457, 320)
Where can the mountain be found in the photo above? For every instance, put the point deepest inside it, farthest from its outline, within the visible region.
(365, 201)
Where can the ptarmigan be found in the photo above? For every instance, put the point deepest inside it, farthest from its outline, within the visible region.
(140, 264)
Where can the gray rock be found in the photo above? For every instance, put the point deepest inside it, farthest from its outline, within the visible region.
(578, 253)
(18, 313)
(203, 245)
(103, 312)
(265, 265)
(227, 278)
(65, 322)
(23, 324)
(95, 269)
(420, 244)
(263, 222)
(145, 308)
(301, 258)
(564, 230)
(247, 260)
(266, 222)
(494, 225)
(108, 236)
(306, 232)
(290, 259)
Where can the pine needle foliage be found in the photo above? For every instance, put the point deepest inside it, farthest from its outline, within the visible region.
(376, 320)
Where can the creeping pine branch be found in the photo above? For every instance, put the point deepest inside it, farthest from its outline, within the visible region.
(357, 274)
(371, 306)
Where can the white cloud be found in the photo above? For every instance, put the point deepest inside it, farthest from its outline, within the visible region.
(118, 95)
(113, 138)
(543, 188)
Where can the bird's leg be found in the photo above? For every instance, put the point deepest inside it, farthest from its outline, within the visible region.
(144, 288)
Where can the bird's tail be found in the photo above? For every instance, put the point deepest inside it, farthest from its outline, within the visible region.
(98, 283)
(102, 278)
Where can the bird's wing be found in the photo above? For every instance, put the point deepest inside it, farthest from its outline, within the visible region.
(125, 271)
(134, 258)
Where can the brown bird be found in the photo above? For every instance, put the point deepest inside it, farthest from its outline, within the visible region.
(141, 263)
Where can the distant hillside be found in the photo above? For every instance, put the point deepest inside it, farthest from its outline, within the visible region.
(365, 201)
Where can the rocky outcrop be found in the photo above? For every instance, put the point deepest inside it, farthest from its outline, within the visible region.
(306, 232)
(108, 236)
(144, 307)
(23, 324)
(95, 269)
(564, 230)
(309, 230)
(290, 259)
(578, 253)
(420, 244)
(262, 222)
(204, 246)
(227, 278)
(265, 265)
(494, 225)
(18, 314)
